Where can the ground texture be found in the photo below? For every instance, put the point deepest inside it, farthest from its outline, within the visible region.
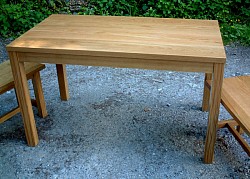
(122, 123)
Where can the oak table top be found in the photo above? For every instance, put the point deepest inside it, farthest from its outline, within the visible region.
(130, 37)
(130, 42)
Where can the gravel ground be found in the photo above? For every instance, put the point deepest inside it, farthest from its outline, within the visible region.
(122, 123)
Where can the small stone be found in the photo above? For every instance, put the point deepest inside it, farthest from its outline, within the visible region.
(237, 74)
(240, 169)
(146, 109)
(157, 80)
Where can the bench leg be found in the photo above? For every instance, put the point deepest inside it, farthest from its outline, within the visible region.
(10, 114)
(206, 93)
(231, 124)
(23, 95)
(214, 107)
(40, 102)
(62, 81)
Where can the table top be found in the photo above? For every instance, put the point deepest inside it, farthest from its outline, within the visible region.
(129, 37)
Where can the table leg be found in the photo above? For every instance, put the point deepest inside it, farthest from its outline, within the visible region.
(22, 92)
(214, 107)
(62, 81)
(206, 93)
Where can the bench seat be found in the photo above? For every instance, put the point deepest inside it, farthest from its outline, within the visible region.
(235, 97)
(6, 77)
(7, 83)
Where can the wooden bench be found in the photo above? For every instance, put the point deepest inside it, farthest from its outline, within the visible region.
(235, 98)
(7, 83)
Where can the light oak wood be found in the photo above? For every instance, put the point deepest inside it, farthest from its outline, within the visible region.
(224, 123)
(23, 95)
(206, 92)
(9, 114)
(235, 97)
(6, 77)
(62, 81)
(214, 106)
(239, 138)
(231, 124)
(128, 42)
(127, 37)
(7, 83)
(117, 62)
(40, 102)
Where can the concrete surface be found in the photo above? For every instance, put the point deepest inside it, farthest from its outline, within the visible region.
(122, 123)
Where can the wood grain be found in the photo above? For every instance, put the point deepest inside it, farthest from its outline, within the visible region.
(214, 107)
(38, 90)
(236, 99)
(128, 42)
(224, 123)
(128, 37)
(6, 77)
(239, 138)
(23, 95)
(206, 92)
(7, 83)
(117, 62)
(9, 114)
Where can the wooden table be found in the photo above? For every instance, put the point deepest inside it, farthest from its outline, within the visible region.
(130, 42)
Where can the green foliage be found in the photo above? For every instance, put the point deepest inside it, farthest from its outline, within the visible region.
(233, 15)
(119, 8)
(236, 33)
(17, 16)
(111, 7)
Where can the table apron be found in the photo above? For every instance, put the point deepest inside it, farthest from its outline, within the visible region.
(154, 64)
